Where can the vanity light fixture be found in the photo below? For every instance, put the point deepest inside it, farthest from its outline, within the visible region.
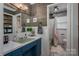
(20, 6)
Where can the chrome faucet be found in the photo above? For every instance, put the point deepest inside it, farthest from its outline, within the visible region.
(25, 37)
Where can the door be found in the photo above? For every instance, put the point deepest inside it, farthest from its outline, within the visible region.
(68, 25)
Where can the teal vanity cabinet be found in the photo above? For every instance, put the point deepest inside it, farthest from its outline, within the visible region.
(31, 49)
(27, 50)
(17, 52)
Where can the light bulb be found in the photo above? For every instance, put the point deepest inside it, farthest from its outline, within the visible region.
(56, 9)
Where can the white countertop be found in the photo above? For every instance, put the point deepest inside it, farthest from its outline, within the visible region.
(11, 46)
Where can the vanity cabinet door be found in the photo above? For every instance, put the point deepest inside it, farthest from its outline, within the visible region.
(38, 47)
(27, 53)
(27, 49)
(17, 52)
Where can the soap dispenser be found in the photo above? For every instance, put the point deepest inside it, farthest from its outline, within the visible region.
(6, 39)
(40, 28)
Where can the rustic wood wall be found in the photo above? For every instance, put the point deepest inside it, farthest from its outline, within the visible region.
(38, 11)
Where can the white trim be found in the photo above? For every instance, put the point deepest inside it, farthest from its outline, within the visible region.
(74, 29)
(48, 27)
(1, 28)
(68, 29)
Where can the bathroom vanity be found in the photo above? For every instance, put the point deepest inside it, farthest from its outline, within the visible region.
(30, 48)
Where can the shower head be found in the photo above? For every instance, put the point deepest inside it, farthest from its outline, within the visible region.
(56, 8)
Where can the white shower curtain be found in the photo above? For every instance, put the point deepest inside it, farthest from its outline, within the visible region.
(55, 32)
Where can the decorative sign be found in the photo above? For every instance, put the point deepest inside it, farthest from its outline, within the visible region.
(34, 19)
(28, 20)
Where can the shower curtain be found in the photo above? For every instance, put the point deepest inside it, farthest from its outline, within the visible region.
(55, 32)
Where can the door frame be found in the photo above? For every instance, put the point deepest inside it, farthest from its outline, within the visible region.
(70, 30)
(78, 29)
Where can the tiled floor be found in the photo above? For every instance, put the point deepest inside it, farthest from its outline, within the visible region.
(57, 51)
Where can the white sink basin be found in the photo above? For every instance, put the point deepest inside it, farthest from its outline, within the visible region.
(23, 40)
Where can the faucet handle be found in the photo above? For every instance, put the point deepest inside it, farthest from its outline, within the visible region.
(25, 34)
